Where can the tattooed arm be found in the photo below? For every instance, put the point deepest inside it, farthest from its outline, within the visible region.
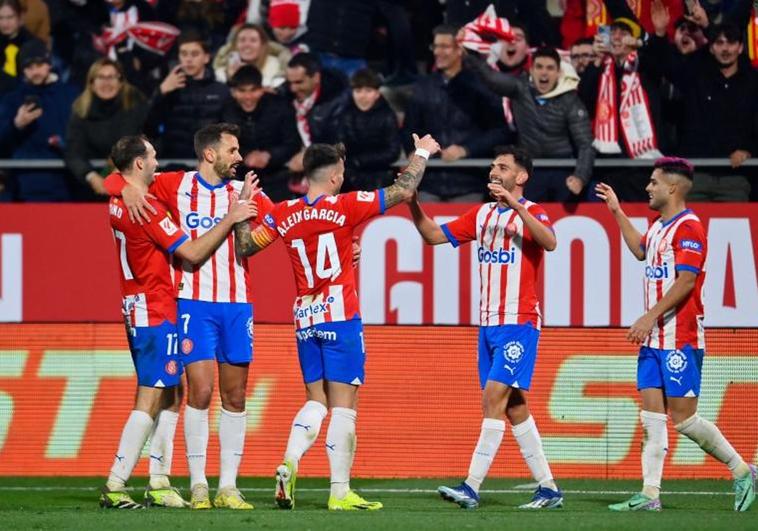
(405, 185)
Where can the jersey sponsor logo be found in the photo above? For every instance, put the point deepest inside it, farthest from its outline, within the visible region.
(496, 256)
(513, 351)
(171, 367)
(187, 345)
(366, 197)
(194, 220)
(313, 309)
(676, 361)
(657, 272)
(168, 226)
(691, 245)
(315, 333)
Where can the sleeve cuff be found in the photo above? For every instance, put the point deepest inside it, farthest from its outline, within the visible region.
(452, 239)
(177, 243)
(685, 267)
(382, 204)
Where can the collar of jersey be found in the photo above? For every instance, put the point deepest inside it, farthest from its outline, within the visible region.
(305, 200)
(208, 185)
(679, 215)
(500, 209)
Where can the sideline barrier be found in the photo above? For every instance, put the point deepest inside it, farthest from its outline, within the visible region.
(67, 389)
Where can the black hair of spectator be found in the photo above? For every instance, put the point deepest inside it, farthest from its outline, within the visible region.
(126, 150)
(445, 29)
(522, 26)
(583, 40)
(246, 76)
(193, 36)
(308, 61)
(547, 51)
(520, 156)
(365, 78)
(210, 136)
(15, 5)
(676, 166)
(731, 33)
(319, 156)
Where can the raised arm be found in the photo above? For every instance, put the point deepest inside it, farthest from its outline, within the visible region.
(632, 236)
(406, 184)
(429, 229)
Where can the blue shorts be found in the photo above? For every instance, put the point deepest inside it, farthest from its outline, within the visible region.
(154, 353)
(677, 372)
(332, 351)
(507, 354)
(221, 331)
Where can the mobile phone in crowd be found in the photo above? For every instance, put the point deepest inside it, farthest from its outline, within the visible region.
(33, 100)
(605, 34)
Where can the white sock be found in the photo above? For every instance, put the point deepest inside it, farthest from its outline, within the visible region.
(340, 440)
(655, 444)
(305, 429)
(231, 436)
(133, 437)
(485, 451)
(710, 439)
(162, 448)
(196, 439)
(529, 441)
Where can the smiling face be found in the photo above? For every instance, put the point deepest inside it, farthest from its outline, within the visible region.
(226, 155)
(660, 189)
(514, 53)
(726, 52)
(301, 84)
(150, 163)
(545, 72)
(247, 96)
(619, 50)
(447, 54)
(107, 82)
(505, 171)
(249, 45)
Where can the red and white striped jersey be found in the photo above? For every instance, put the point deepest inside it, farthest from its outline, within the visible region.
(319, 240)
(198, 206)
(509, 259)
(143, 256)
(672, 246)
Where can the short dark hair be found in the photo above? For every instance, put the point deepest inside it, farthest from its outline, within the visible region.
(445, 29)
(731, 33)
(15, 5)
(676, 165)
(308, 61)
(319, 156)
(126, 150)
(520, 155)
(365, 77)
(246, 75)
(520, 24)
(583, 40)
(547, 51)
(193, 36)
(210, 135)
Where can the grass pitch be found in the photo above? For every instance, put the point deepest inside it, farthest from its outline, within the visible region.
(71, 503)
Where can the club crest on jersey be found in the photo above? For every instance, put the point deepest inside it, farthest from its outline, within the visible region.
(187, 345)
(171, 367)
(676, 361)
(663, 246)
(168, 226)
(249, 327)
(513, 351)
(366, 197)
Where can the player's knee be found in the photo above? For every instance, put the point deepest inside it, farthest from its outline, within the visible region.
(517, 413)
(233, 399)
(199, 396)
(493, 406)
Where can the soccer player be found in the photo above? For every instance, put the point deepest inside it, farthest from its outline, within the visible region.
(511, 234)
(317, 230)
(214, 309)
(149, 309)
(671, 333)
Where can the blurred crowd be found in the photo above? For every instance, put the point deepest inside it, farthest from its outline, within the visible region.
(566, 79)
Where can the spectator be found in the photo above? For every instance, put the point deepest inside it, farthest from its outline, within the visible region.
(513, 55)
(33, 121)
(688, 36)
(188, 99)
(319, 96)
(37, 19)
(249, 45)
(368, 128)
(268, 135)
(13, 35)
(582, 55)
(720, 117)
(288, 21)
(454, 107)
(551, 121)
(109, 108)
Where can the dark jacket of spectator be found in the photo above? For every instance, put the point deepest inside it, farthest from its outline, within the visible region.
(42, 139)
(179, 114)
(548, 128)
(720, 114)
(269, 127)
(92, 137)
(372, 139)
(340, 27)
(459, 111)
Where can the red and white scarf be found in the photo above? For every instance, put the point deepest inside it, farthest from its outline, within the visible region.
(156, 37)
(637, 127)
(752, 33)
(302, 109)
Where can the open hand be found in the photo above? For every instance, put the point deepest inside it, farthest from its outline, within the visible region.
(136, 202)
(606, 193)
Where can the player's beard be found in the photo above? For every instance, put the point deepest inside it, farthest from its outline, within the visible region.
(224, 170)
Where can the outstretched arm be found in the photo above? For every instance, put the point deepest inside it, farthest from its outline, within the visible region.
(429, 229)
(632, 237)
(406, 184)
